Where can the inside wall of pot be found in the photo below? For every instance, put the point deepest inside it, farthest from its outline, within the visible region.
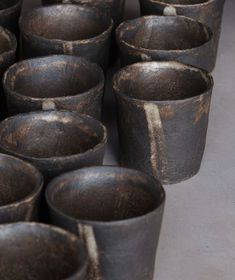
(4, 4)
(158, 83)
(166, 33)
(51, 135)
(183, 2)
(53, 77)
(5, 44)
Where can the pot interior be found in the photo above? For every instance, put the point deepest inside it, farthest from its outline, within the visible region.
(183, 2)
(5, 42)
(105, 194)
(159, 81)
(65, 22)
(33, 252)
(165, 33)
(53, 77)
(50, 134)
(18, 180)
(4, 4)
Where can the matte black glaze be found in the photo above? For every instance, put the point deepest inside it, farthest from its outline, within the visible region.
(113, 8)
(209, 12)
(9, 14)
(166, 38)
(163, 110)
(35, 251)
(118, 214)
(8, 45)
(59, 82)
(67, 29)
(54, 141)
(20, 188)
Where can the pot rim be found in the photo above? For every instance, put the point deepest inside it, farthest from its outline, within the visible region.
(83, 261)
(39, 183)
(52, 184)
(165, 3)
(11, 71)
(11, 39)
(97, 147)
(9, 10)
(100, 37)
(175, 65)
(121, 30)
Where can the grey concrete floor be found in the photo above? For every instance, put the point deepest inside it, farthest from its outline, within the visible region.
(198, 233)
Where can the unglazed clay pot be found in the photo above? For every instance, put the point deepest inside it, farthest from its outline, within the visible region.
(20, 188)
(39, 252)
(67, 29)
(163, 110)
(59, 82)
(118, 214)
(166, 38)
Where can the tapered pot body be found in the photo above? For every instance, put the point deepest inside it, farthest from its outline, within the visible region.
(209, 12)
(9, 14)
(38, 251)
(163, 110)
(169, 38)
(67, 29)
(60, 82)
(54, 141)
(20, 188)
(8, 45)
(118, 214)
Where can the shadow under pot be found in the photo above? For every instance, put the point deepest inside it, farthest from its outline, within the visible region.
(113, 8)
(163, 110)
(209, 12)
(67, 29)
(54, 141)
(20, 188)
(118, 214)
(9, 14)
(59, 82)
(39, 252)
(8, 46)
(166, 38)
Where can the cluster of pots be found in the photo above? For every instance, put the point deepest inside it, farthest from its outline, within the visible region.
(63, 215)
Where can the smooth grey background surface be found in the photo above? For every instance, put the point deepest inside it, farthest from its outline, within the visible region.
(198, 233)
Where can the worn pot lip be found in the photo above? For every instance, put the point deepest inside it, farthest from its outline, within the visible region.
(122, 222)
(11, 9)
(121, 29)
(72, 238)
(11, 71)
(39, 182)
(181, 5)
(12, 41)
(100, 37)
(97, 147)
(174, 64)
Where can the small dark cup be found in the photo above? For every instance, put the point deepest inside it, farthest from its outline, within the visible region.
(59, 82)
(118, 214)
(54, 141)
(67, 29)
(163, 110)
(8, 45)
(40, 252)
(113, 8)
(20, 188)
(9, 14)
(166, 38)
(209, 12)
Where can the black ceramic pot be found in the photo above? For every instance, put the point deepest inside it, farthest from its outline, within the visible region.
(113, 8)
(166, 38)
(54, 141)
(8, 45)
(40, 252)
(118, 214)
(209, 12)
(20, 188)
(67, 29)
(59, 82)
(163, 110)
(9, 14)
